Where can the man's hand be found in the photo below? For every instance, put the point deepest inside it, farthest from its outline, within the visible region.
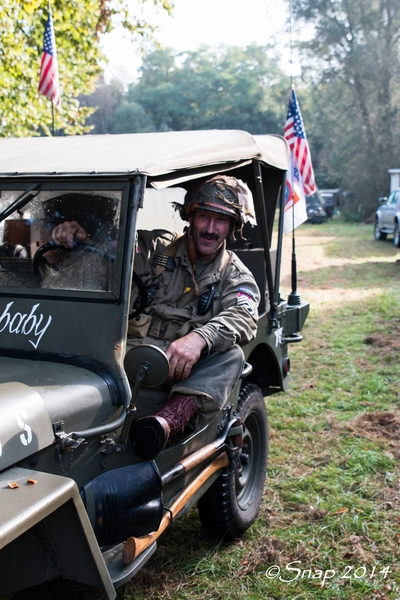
(67, 232)
(183, 353)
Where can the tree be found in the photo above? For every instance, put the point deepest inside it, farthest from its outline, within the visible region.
(223, 88)
(355, 78)
(130, 117)
(78, 26)
(104, 100)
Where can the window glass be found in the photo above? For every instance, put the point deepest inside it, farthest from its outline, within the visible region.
(29, 259)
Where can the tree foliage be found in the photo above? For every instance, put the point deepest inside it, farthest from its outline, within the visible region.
(355, 81)
(78, 26)
(222, 88)
(103, 101)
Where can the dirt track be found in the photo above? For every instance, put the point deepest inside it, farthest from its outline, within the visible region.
(311, 244)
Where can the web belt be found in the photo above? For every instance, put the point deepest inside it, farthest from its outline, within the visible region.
(163, 330)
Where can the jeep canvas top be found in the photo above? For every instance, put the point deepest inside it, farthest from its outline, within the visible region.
(68, 390)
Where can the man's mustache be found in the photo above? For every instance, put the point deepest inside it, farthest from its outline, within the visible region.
(209, 236)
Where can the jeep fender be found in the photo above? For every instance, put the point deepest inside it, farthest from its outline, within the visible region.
(45, 534)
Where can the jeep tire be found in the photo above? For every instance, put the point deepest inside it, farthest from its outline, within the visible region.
(232, 503)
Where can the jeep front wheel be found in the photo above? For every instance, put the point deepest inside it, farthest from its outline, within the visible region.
(232, 503)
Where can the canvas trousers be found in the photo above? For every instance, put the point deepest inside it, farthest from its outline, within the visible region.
(210, 382)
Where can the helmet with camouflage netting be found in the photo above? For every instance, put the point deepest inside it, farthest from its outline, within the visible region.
(221, 194)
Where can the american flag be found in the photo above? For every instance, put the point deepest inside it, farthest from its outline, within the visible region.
(49, 84)
(300, 180)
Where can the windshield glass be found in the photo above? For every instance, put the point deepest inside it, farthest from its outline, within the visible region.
(28, 258)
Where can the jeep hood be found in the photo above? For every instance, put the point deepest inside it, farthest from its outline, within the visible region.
(35, 396)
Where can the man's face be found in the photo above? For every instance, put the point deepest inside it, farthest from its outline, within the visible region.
(209, 230)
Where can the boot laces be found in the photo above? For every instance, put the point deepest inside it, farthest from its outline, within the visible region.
(179, 414)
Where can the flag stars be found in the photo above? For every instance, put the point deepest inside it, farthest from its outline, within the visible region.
(298, 124)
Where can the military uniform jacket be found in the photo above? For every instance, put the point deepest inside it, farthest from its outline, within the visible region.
(174, 310)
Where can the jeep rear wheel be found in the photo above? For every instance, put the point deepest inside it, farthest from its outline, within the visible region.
(396, 235)
(232, 503)
(378, 234)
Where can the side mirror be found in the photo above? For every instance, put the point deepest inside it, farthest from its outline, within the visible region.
(151, 361)
(382, 200)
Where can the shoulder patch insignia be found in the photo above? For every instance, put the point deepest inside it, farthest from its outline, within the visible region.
(246, 299)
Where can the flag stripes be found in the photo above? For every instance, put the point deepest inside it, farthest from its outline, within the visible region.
(300, 179)
(49, 84)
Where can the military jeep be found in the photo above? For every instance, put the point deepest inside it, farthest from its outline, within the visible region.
(77, 502)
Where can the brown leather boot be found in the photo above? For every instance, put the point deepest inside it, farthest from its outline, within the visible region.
(151, 434)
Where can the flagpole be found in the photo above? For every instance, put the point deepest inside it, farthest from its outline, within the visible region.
(290, 44)
(49, 84)
(51, 101)
(294, 298)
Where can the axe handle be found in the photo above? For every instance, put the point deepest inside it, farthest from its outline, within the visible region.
(195, 459)
(135, 546)
(190, 462)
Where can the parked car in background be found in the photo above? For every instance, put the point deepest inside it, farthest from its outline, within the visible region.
(331, 199)
(387, 218)
(316, 212)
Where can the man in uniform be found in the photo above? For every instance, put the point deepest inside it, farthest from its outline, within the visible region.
(201, 306)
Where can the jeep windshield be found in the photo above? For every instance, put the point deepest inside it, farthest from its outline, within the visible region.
(28, 257)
